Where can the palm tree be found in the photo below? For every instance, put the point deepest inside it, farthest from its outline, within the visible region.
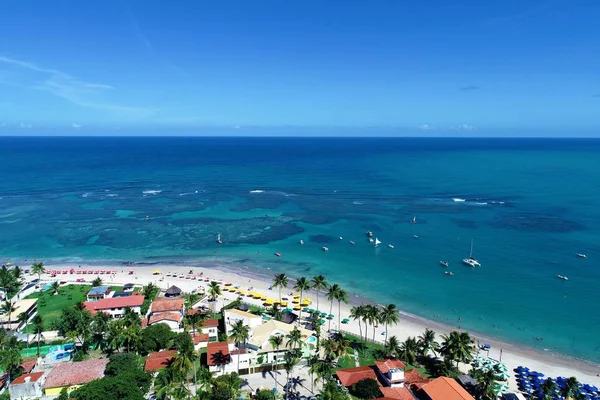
(548, 388)
(372, 316)
(341, 296)
(114, 338)
(239, 333)
(323, 369)
(294, 338)
(38, 326)
(311, 364)
(100, 326)
(23, 318)
(336, 348)
(149, 291)
(17, 272)
(184, 361)
(205, 379)
(389, 315)
(165, 383)
(130, 317)
(131, 336)
(214, 291)
(427, 342)
(275, 342)
(38, 268)
(275, 312)
(457, 346)
(332, 294)
(97, 282)
(289, 363)
(392, 347)
(408, 350)
(486, 383)
(233, 382)
(280, 281)
(55, 286)
(357, 313)
(301, 285)
(190, 300)
(570, 389)
(8, 307)
(319, 283)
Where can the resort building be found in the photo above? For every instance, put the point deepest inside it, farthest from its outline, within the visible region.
(391, 372)
(350, 376)
(72, 375)
(200, 340)
(259, 337)
(233, 315)
(443, 388)
(396, 393)
(115, 306)
(159, 360)
(222, 358)
(167, 311)
(210, 327)
(28, 386)
(98, 293)
(28, 306)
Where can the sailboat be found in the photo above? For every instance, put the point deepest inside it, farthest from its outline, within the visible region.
(377, 242)
(219, 238)
(470, 261)
(414, 220)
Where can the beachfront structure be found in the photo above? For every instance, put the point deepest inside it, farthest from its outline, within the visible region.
(73, 375)
(115, 306)
(173, 291)
(259, 337)
(98, 293)
(28, 306)
(27, 386)
(210, 327)
(233, 315)
(443, 388)
(222, 358)
(200, 340)
(167, 311)
(159, 360)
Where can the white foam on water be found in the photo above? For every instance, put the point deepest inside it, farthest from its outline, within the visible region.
(152, 192)
(458, 200)
(257, 191)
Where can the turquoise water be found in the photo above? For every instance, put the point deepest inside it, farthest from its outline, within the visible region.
(530, 206)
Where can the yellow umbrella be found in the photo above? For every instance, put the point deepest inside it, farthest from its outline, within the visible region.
(258, 295)
(263, 297)
(156, 272)
(267, 303)
(284, 304)
(242, 292)
(296, 301)
(250, 294)
(297, 308)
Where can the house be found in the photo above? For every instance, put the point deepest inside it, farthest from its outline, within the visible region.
(443, 388)
(72, 375)
(171, 318)
(259, 338)
(159, 360)
(391, 372)
(27, 386)
(233, 315)
(349, 376)
(211, 328)
(173, 291)
(200, 340)
(168, 311)
(28, 306)
(223, 358)
(98, 293)
(115, 306)
(396, 393)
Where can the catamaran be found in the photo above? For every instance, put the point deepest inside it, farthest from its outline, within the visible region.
(470, 261)
(377, 242)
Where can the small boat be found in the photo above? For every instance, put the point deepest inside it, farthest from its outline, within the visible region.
(581, 255)
(325, 248)
(444, 263)
(449, 273)
(470, 261)
(341, 238)
(414, 220)
(391, 246)
(278, 254)
(301, 241)
(369, 234)
(219, 241)
(377, 242)
(416, 236)
(371, 240)
(564, 278)
(351, 242)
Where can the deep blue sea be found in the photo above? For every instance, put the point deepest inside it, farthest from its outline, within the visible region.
(529, 206)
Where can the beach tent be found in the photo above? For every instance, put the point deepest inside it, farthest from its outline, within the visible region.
(173, 291)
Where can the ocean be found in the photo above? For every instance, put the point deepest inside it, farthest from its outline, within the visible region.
(528, 205)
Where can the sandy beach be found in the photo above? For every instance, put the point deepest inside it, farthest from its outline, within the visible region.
(552, 365)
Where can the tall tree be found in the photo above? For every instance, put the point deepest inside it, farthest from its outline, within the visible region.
(548, 389)
(280, 281)
(17, 272)
(275, 341)
(408, 350)
(427, 342)
(294, 339)
(55, 287)
(389, 316)
(23, 318)
(8, 307)
(38, 269)
(240, 333)
(100, 323)
(341, 296)
(289, 363)
(357, 313)
(319, 283)
(570, 389)
(38, 326)
(214, 291)
(301, 286)
(97, 282)
(457, 347)
(372, 316)
(332, 294)
(392, 347)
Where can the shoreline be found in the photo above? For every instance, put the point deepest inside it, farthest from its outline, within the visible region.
(410, 324)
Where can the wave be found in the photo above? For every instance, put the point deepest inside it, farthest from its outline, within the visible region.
(458, 200)
(358, 203)
(188, 193)
(152, 192)
(257, 191)
(112, 195)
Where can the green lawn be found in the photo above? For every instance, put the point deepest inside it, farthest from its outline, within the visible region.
(50, 306)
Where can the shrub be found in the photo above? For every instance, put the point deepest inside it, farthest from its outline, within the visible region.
(366, 389)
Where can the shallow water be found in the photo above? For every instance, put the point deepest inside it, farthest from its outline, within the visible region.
(528, 205)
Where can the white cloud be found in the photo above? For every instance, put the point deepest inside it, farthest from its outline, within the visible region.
(463, 127)
(25, 126)
(76, 126)
(426, 127)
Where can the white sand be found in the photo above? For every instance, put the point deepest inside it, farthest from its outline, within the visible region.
(550, 364)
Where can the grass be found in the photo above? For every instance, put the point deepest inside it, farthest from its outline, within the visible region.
(50, 306)
(346, 362)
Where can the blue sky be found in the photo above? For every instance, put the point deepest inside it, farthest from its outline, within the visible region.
(496, 67)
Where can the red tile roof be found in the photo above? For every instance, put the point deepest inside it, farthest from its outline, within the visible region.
(34, 377)
(159, 360)
(349, 376)
(164, 316)
(210, 323)
(167, 305)
(217, 352)
(198, 337)
(28, 366)
(397, 393)
(412, 376)
(444, 388)
(114, 302)
(75, 373)
(385, 365)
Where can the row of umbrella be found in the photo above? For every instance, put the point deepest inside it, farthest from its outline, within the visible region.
(530, 382)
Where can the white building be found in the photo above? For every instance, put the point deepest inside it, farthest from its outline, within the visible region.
(115, 306)
(233, 315)
(222, 358)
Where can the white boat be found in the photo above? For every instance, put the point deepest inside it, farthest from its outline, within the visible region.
(301, 241)
(325, 248)
(581, 255)
(564, 278)
(444, 263)
(369, 233)
(470, 261)
(351, 242)
(219, 238)
(391, 246)
(414, 220)
(416, 236)
(448, 273)
(377, 242)
(371, 240)
(341, 238)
